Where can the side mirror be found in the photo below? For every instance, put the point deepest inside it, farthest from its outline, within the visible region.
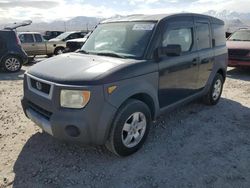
(170, 50)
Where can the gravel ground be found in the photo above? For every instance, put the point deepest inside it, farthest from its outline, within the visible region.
(194, 146)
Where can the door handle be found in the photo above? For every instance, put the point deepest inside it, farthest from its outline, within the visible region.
(195, 61)
(205, 61)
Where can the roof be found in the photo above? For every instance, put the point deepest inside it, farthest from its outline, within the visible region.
(29, 32)
(155, 17)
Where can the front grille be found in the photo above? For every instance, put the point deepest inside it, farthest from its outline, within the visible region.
(46, 114)
(238, 52)
(40, 86)
(73, 46)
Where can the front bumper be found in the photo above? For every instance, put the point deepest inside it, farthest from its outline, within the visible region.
(238, 63)
(93, 122)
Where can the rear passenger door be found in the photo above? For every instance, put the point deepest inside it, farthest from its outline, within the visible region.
(2, 47)
(40, 45)
(28, 43)
(178, 75)
(205, 50)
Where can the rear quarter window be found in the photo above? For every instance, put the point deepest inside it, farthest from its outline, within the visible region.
(219, 34)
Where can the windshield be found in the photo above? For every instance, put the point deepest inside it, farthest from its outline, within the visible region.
(242, 35)
(64, 35)
(126, 39)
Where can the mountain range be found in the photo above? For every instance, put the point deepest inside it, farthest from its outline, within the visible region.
(233, 21)
(76, 23)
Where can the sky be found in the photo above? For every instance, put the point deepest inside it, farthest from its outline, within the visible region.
(50, 10)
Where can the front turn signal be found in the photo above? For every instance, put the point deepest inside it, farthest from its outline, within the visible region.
(111, 89)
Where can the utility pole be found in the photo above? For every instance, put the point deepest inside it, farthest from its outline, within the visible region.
(65, 26)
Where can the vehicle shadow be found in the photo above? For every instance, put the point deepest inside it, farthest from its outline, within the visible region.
(196, 147)
(11, 76)
(239, 74)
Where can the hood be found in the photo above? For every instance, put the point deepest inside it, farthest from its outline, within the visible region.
(77, 40)
(55, 40)
(76, 68)
(238, 45)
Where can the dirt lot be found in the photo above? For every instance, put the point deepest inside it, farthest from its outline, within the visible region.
(195, 146)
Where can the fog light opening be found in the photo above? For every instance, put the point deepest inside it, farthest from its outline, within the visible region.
(72, 131)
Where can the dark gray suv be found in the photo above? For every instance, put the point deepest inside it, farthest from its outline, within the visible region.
(128, 72)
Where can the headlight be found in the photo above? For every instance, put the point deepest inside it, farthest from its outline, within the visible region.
(74, 98)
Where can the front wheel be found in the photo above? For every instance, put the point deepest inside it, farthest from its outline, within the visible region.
(214, 93)
(130, 128)
(59, 50)
(12, 64)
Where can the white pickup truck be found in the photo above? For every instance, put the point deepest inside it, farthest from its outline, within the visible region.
(34, 44)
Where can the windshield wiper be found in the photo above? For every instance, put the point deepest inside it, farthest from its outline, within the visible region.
(236, 40)
(110, 54)
(83, 51)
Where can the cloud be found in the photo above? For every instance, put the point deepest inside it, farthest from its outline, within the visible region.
(49, 10)
(28, 4)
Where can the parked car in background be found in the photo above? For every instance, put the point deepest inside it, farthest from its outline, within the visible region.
(12, 56)
(228, 34)
(34, 44)
(75, 44)
(129, 71)
(238, 45)
(69, 35)
(51, 34)
(61, 39)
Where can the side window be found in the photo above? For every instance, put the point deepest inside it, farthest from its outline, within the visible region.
(81, 35)
(38, 38)
(181, 36)
(72, 36)
(203, 36)
(26, 38)
(219, 34)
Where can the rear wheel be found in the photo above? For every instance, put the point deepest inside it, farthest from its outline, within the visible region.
(12, 64)
(130, 128)
(214, 93)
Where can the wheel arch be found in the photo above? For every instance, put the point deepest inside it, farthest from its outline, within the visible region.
(58, 47)
(10, 54)
(147, 99)
(222, 73)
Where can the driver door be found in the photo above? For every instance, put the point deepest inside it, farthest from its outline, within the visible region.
(178, 74)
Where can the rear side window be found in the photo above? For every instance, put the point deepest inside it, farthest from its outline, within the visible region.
(181, 36)
(26, 38)
(219, 34)
(203, 36)
(38, 38)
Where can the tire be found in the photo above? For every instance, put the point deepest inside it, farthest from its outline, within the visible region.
(130, 128)
(59, 50)
(215, 90)
(12, 63)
